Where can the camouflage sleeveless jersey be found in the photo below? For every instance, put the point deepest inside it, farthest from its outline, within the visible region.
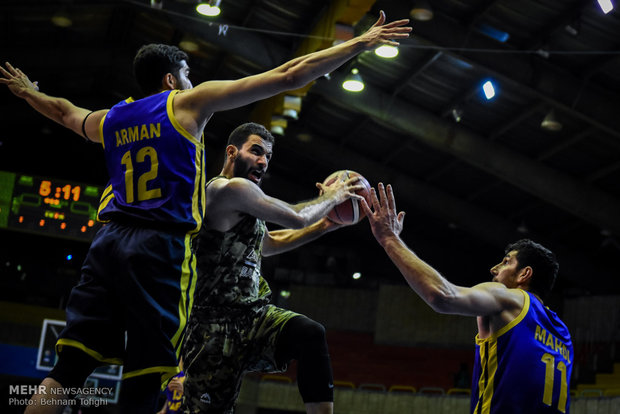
(232, 328)
(229, 271)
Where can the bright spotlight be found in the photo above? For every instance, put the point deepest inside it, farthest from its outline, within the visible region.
(489, 89)
(387, 51)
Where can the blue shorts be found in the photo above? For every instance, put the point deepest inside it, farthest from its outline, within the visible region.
(139, 281)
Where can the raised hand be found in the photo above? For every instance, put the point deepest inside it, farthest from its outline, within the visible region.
(384, 34)
(342, 188)
(384, 220)
(16, 80)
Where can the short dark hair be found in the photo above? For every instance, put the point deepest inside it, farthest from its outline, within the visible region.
(542, 261)
(151, 64)
(241, 134)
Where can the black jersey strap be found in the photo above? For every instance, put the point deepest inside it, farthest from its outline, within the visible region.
(84, 125)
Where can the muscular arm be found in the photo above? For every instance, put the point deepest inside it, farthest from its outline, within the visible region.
(280, 241)
(443, 296)
(214, 96)
(239, 195)
(59, 110)
(67, 114)
(488, 298)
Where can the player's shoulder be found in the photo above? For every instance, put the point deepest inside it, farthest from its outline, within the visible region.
(491, 286)
(231, 185)
(230, 190)
(501, 291)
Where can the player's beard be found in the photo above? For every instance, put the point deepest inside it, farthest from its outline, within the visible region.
(242, 168)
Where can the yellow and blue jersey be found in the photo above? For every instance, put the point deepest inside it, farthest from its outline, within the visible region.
(526, 366)
(156, 167)
(174, 398)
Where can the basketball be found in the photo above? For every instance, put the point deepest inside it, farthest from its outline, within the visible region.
(349, 211)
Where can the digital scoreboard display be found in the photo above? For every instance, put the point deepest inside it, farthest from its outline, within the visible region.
(49, 206)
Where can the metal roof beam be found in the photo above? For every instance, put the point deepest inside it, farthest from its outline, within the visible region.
(531, 176)
(483, 224)
(541, 79)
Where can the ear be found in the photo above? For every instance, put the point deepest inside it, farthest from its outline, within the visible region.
(231, 152)
(525, 275)
(169, 82)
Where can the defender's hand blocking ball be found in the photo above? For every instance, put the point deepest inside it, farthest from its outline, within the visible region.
(349, 211)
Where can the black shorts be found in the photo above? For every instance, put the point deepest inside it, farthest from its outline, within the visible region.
(137, 281)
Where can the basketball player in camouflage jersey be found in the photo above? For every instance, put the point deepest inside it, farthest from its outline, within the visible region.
(233, 329)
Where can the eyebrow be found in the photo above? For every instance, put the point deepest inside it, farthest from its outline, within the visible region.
(261, 148)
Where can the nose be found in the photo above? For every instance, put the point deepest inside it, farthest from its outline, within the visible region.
(494, 270)
(262, 161)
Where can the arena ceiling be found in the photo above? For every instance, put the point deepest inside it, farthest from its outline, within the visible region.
(468, 187)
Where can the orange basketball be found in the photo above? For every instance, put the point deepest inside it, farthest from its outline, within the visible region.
(349, 211)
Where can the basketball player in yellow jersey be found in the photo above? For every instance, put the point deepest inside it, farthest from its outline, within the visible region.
(524, 352)
(195, 107)
(132, 209)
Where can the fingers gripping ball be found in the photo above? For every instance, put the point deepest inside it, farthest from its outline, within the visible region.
(349, 211)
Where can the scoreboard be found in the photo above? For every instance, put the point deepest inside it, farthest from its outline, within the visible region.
(48, 206)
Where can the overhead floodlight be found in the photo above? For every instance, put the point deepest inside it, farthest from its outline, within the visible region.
(353, 82)
(386, 51)
(291, 114)
(189, 45)
(210, 9)
(277, 130)
(457, 114)
(356, 275)
(489, 89)
(606, 5)
(550, 122)
(291, 106)
(278, 125)
(421, 11)
(62, 19)
(574, 27)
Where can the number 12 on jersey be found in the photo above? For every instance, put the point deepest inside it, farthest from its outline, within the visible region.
(142, 193)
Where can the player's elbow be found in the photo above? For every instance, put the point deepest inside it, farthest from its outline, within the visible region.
(441, 301)
(297, 221)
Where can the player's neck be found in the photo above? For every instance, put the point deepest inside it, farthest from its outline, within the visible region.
(227, 171)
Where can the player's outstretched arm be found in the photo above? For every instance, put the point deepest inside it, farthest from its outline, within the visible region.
(59, 110)
(214, 96)
(443, 296)
(280, 241)
(243, 196)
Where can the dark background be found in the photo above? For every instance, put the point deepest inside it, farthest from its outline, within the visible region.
(468, 187)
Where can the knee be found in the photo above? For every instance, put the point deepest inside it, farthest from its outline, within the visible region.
(314, 332)
(312, 341)
(73, 367)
